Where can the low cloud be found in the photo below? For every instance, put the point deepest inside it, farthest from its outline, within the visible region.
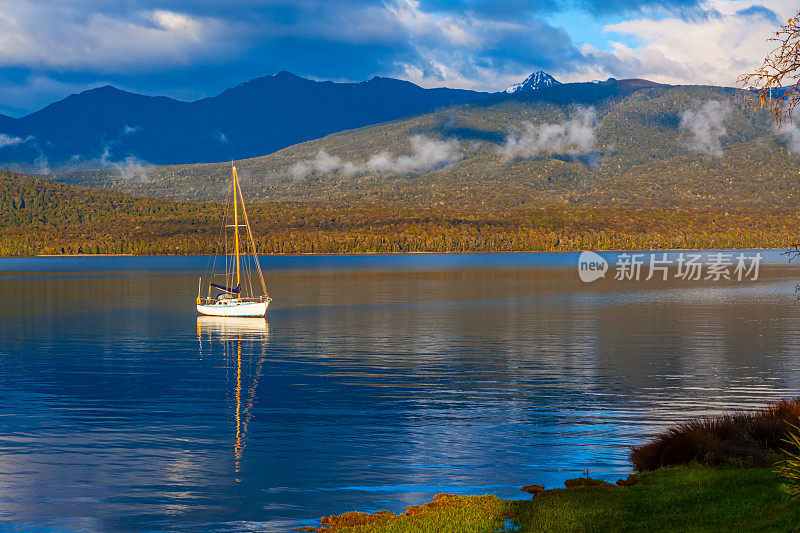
(705, 127)
(426, 154)
(129, 168)
(220, 136)
(41, 166)
(323, 163)
(8, 140)
(572, 137)
(789, 136)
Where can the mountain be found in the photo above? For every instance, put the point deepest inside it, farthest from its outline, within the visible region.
(106, 125)
(5, 121)
(537, 80)
(634, 153)
(618, 164)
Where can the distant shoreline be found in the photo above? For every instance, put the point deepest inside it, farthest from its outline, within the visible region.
(78, 255)
(341, 254)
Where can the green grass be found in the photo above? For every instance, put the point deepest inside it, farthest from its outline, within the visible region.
(685, 498)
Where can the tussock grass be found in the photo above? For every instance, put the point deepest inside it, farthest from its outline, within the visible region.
(743, 439)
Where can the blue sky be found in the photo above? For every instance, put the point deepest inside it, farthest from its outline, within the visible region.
(189, 49)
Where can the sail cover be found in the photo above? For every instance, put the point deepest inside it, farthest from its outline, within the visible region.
(235, 290)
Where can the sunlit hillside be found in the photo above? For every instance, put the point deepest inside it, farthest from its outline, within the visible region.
(639, 155)
(39, 216)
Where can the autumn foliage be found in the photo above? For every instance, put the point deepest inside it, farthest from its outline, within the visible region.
(777, 80)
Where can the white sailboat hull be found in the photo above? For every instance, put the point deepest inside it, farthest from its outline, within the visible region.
(234, 308)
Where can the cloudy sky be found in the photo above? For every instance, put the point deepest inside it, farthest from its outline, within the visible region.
(194, 48)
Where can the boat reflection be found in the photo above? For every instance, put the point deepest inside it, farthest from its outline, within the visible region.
(229, 327)
(225, 336)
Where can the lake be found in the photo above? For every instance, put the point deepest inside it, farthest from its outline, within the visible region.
(375, 382)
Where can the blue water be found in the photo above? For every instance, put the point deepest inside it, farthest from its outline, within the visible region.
(339, 262)
(374, 383)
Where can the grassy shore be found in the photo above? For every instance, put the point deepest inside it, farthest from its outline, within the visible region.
(682, 498)
(706, 474)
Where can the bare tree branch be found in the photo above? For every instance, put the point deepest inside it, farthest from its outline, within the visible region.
(776, 83)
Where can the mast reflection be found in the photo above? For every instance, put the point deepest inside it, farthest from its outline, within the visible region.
(225, 336)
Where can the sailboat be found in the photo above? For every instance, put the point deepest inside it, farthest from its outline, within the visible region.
(234, 295)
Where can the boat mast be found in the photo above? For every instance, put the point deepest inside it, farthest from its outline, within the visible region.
(252, 242)
(236, 232)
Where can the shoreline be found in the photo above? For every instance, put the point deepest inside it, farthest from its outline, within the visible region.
(690, 497)
(73, 255)
(399, 254)
(728, 472)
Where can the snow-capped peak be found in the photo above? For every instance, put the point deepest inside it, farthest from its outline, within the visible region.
(537, 80)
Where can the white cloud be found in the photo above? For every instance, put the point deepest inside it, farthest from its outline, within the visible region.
(715, 46)
(465, 46)
(128, 168)
(324, 163)
(60, 36)
(426, 154)
(574, 136)
(705, 127)
(8, 140)
(715, 49)
(789, 134)
(465, 51)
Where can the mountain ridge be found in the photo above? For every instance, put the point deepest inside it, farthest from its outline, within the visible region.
(630, 149)
(256, 117)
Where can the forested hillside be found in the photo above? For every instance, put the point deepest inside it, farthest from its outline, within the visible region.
(616, 165)
(640, 153)
(42, 217)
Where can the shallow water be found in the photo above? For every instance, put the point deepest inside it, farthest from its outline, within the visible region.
(375, 383)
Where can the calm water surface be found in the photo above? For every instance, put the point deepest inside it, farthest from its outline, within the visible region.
(374, 383)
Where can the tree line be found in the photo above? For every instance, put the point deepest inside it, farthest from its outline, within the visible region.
(43, 217)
